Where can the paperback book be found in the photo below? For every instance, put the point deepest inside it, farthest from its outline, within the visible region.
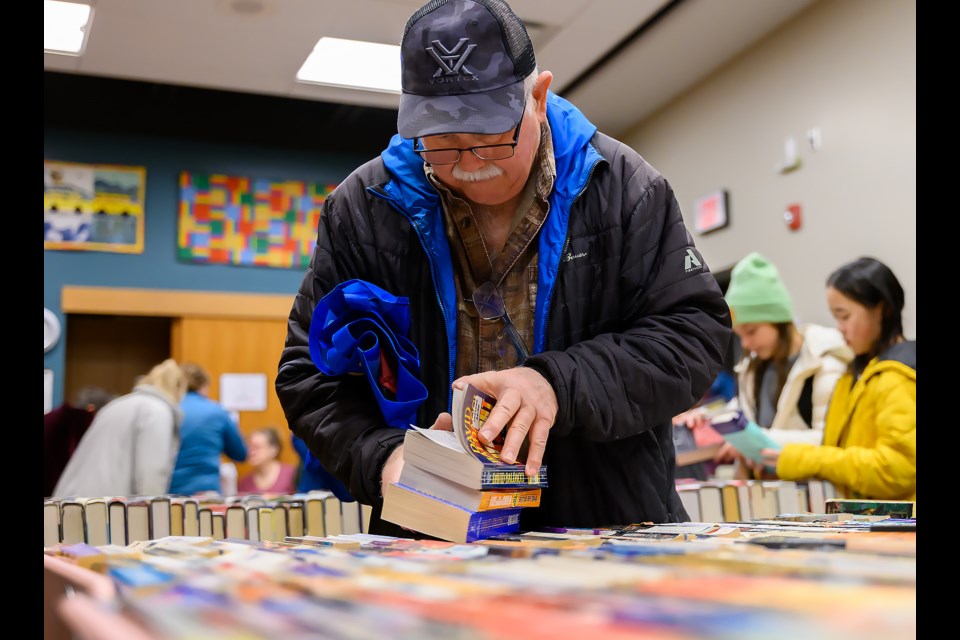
(413, 509)
(460, 455)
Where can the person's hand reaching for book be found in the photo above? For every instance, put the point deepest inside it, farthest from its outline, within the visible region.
(526, 406)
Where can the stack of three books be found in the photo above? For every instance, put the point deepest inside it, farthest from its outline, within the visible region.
(455, 487)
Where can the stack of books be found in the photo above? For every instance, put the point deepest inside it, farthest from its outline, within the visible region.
(123, 520)
(455, 487)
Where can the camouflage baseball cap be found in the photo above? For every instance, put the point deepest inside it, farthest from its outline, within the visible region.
(463, 63)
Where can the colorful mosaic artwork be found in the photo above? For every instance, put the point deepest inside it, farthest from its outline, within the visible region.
(248, 221)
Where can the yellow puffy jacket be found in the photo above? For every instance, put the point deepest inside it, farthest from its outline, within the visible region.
(869, 448)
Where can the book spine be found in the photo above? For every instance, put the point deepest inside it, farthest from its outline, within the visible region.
(484, 524)
(507, 499)
(495, 477)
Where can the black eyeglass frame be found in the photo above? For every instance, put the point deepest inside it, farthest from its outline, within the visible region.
(512, 145)
(490, 306)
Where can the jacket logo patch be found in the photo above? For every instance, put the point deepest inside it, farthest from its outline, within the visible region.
(574, 256)
(691, 262)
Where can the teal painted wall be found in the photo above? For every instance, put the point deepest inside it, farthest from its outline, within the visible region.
(157, 267)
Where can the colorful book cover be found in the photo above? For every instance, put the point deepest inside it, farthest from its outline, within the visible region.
(903, 509)
(471, 408)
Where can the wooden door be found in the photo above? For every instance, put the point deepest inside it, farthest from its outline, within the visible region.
(237, 345)
(112, 351)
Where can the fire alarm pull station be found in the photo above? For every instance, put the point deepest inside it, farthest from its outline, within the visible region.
(792, 217)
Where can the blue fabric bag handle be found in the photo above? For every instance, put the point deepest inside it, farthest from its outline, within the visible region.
(352, 326)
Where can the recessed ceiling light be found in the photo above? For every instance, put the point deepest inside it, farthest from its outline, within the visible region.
(65, 27)
(353, 64)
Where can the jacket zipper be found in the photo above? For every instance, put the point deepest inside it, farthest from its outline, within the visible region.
(566, 245)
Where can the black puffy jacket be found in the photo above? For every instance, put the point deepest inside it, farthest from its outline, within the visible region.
(630, 326)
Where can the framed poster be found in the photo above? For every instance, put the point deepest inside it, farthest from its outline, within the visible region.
(711, 212)
(93, 207)
(248, 221)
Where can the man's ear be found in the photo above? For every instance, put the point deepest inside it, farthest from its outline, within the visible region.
(539, 93)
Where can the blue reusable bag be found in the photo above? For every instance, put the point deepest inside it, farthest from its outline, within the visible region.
(358, 328)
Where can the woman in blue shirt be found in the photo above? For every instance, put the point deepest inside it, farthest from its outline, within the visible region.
(207, 431)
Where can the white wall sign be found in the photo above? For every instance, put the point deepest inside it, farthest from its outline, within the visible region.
(243, 391)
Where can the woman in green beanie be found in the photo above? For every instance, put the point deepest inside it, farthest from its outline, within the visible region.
(788, 372)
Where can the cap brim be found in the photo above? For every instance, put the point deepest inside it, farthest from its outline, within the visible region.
(491, 112)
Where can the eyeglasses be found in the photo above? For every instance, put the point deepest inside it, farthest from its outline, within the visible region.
(484, 151)
(490, 306)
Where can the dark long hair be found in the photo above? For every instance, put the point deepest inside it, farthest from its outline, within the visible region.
(869, 282)
(780, 360)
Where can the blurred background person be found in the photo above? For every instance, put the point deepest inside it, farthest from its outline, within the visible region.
(206, 433)
(131, 445)
(869, 445)
(267, 474)
(63, 428)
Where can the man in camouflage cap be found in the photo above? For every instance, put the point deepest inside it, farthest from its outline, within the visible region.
(543, 261)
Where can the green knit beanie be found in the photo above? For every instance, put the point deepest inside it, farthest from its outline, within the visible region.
(757, 294)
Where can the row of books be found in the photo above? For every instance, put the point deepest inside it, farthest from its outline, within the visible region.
(455, 487)
(745, 500)
(785, 581)
(123, 520)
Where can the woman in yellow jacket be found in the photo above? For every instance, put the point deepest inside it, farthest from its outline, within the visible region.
(869, 445)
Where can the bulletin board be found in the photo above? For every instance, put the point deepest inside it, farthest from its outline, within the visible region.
(248, 221)
(93, 207)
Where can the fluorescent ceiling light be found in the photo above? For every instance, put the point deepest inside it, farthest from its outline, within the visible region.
(65, 27)
(353, 64)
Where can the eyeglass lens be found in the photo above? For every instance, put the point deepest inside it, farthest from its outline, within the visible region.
(490, 306)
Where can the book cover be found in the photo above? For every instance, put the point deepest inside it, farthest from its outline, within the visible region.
(418, 511)
(460, 456)
(746, 436)
(904, 509)
(471, 408)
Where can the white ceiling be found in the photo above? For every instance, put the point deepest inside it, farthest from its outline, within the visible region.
(257, 46)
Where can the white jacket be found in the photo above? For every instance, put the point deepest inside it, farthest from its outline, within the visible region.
(129, 449)
(823, 355)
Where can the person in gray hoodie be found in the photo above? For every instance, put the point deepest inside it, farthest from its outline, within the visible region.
(132, 445)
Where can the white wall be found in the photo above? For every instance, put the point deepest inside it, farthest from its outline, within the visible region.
(847, 67)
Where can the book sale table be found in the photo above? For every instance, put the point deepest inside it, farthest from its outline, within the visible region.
(758, 579)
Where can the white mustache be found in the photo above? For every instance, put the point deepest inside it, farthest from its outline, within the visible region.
(485, 172)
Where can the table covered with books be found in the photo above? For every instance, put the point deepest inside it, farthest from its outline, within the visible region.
(783, 578)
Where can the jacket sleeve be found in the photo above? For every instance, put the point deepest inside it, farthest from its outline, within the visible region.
(337, 416)
(677, 328)
(233, 445)
(155, 451)
(885, 471)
